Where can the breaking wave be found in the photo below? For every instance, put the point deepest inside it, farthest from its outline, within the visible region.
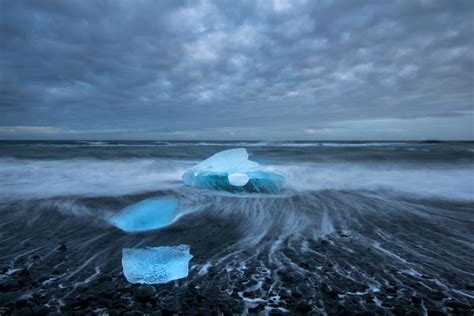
(96, 177)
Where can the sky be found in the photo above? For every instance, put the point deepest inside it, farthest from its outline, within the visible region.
(243, 70)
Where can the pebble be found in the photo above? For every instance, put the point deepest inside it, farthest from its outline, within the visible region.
(432, 312)
(416, 300)
(62, 248)
(133, 313)
(458, 305)
(304, 307)
(24, 273)
(257, 309)
(145, 292)
(392, 290)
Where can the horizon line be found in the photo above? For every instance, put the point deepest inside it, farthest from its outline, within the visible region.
(248, 140)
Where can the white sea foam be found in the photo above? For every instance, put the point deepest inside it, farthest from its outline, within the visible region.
(85, 177)
(20, 178)
(441, 181)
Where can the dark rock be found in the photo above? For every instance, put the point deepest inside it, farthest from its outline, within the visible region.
(41, 310)
(306, 290)
(9, 284)
(24, 273)
(304, 307)
(200, 312)
(432, 312)
(170, 309)
(470, 287)
(458, 305)
(62, 248)
(304, 265)
(251, 283)
(145, 292)
(296, 294)
(133, 313)
(110, 292)
(238, 308)
(23, 303)
(392, 290)
(324, 242)
(416, 300)
(33, 283)
(248, 294)
(342, 310)
(24, 311)
(399, 311)
(332, 294)
(105, 278)
(283, 294)
(387, 304)
(437, 296)
(257, 309)
(226, 312)
(200, 298)
(81, 288)
(27, 243)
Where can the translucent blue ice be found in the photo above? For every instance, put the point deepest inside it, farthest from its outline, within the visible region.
(145, 215)
(155, 265)
(231, 170)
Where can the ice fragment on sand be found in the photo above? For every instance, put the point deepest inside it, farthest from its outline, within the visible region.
(231, 170)
(155, 265)
(145, 215)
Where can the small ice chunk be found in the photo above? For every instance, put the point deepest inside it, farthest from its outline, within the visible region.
(232, 171)
(156, 264)
(238, 179)
(148, 214)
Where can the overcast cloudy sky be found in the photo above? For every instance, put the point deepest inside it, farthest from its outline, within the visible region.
(237, 69)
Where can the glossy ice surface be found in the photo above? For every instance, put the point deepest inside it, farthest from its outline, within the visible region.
(145, 215)
(231, 170)
(155, 265)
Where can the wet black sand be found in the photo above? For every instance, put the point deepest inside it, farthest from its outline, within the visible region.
(335, 252)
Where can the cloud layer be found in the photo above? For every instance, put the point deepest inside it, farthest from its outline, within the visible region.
(237, 69)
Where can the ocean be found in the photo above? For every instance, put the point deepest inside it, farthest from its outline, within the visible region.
(360, 227)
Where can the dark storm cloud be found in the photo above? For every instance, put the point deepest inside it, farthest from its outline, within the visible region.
(228, 69)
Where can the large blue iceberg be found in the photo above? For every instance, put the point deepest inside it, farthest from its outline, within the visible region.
(231, 170)
(155, 265)
(145, 215)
